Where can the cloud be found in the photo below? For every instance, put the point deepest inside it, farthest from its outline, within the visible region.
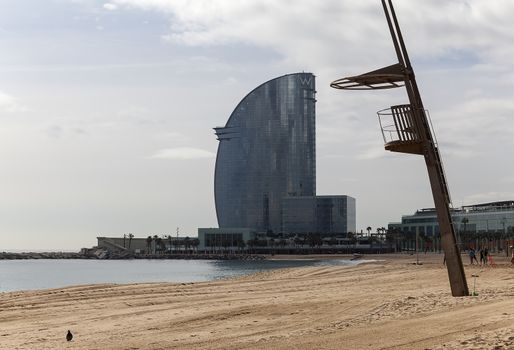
(460, 149)
(54, 131)
(461, 46)
(474, 126)
(9, 103)
(257, 22)
(348, 179)
(373, 153)
(458, 30)
(182, 153)
(174, 136)
(488, 197)
(508, 179)
(110, 7)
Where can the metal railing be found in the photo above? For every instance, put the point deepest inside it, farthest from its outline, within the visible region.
(396, 124)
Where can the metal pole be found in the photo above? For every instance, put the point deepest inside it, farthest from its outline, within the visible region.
(417, 248)
(436, 175)
(415, 137)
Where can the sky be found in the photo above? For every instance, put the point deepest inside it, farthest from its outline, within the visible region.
(107, 107)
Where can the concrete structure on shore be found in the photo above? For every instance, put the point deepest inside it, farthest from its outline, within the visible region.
(145, 246)
(134, 245)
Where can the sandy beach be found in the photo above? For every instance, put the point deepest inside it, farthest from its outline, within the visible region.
(387, 304)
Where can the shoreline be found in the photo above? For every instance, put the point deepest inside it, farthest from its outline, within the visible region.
(124, 256)
(5, 255)
(18, 274)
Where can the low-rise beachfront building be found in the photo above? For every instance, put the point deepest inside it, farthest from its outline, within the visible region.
(249, 241)
(124, 243)
(332, 216)
(491, 221)
(148, 245)
(214, 239)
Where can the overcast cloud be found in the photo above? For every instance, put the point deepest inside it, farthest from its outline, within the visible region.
(107, 107)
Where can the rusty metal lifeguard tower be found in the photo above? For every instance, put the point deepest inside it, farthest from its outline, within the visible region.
(406, 129)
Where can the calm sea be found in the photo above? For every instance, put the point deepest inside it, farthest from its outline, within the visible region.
(41, 274)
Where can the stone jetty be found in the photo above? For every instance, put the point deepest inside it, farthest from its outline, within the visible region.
(102, 254)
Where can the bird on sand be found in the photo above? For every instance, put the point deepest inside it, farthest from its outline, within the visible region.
(69, 336)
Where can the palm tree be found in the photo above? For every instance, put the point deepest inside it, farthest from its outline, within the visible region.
(155, 237)
(389, 238)
(159, 245)
(368, 229)
(148, 244)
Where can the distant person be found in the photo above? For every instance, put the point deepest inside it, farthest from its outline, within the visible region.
(491, 261)
(482, 257)
(486, 254)
(472, 256)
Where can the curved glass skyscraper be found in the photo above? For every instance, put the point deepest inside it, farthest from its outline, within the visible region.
(266, 153)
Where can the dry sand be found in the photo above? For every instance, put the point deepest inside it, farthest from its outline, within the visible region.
(389, 304)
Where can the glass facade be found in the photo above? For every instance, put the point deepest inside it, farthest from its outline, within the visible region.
(223, 238)
(321, 214)
(266, 152)
(299, 214)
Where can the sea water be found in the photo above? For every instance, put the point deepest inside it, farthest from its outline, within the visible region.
(18, 275)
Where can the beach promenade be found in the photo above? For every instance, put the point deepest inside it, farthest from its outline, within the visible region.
(388, 304)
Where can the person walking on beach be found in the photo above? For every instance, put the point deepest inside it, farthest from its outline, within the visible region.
(472, 256)
(486, 253)
(482, 258)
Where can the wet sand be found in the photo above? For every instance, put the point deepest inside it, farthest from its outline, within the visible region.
(387, 304)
